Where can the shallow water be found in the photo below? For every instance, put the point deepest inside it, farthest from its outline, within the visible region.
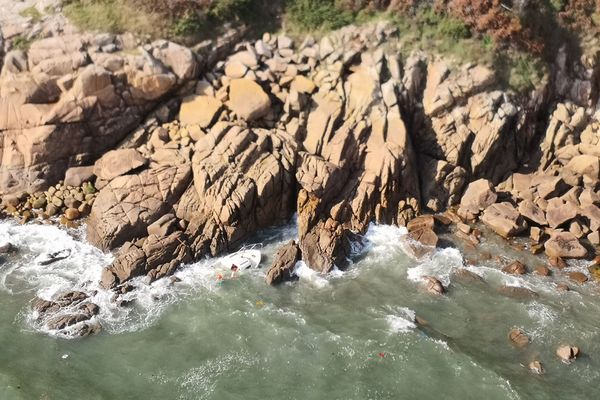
(349, 335)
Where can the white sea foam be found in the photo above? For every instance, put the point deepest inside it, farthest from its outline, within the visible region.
(440, 264)
(543, 315)
(81, 271)
(401, 322)
(306, 274)
(201, 382)
(384, 240)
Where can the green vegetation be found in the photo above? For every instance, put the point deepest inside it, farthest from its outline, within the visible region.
(447, 31)
(557, 5)
(516, 69)
(31, 12)
(187, 24)
(113, 16)
(223, 10)
(314, 15)
(520, 71)
(21, 42)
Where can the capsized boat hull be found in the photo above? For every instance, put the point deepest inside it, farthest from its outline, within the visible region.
(243, 259)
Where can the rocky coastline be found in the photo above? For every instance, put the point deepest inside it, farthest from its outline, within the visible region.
(170, 154)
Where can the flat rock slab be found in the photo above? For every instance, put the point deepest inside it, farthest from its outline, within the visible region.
(248, 100)
(479, 195)
(118, 162)
(532, 212)
(504, 219)
(199, 110)
(564, 245)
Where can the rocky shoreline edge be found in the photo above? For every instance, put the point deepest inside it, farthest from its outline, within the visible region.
(171, 154)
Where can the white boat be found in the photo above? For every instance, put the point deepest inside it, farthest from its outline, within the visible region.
(245, 258)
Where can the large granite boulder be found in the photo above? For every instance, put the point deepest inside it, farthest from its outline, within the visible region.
(71, 102)
(155, 258)
(248, 100)
(118, 162)
(479, 195)
(128, 204)
(564, 245)
(283, 265)
(504, 219)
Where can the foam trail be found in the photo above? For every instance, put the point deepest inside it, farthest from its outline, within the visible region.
(402, 321)
(306, 274)
(441, 264)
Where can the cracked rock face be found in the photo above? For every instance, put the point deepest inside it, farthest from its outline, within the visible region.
(130, 203)
(65, 102)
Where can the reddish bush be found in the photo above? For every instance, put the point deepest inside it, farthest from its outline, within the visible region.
(577, 14)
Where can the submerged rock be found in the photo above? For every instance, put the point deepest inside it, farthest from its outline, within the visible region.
(66, 311)
(594, 271)
(515, 268)
(517, 292)
(543, 271)
(578, 277)
(557, 262)
(518, 337)
(536, 367)
(434, 286)
(567, 353)
(465, 276)
(7, 248)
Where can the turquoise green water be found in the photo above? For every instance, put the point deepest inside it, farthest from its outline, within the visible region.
(346, 336)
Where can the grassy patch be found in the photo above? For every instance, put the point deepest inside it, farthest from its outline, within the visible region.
(440, 34)
(520, 71)
(223, 10)
(21, 43)
(114, 16)
(180, 20)
(315, 15)
(31, 12)
(188, 24)
(444, 35)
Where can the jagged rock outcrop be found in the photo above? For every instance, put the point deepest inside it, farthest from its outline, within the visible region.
(68, 313)
(154, 256)
(129, 203)
(468, 124)
(359, 166)
(284, 263)
(243, 181)
(66, 101)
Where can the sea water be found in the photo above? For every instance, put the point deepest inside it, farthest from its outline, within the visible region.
(347, 335)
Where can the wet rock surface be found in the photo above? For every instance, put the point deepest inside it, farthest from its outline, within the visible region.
(283, 265)
(69, 313)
